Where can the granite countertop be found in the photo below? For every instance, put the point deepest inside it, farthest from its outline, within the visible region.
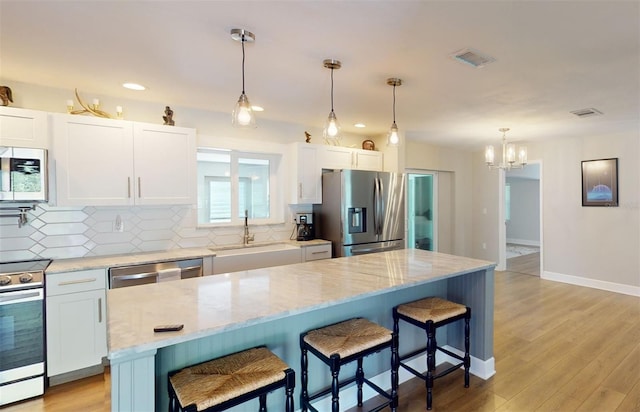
(102, 262)
(236, 300)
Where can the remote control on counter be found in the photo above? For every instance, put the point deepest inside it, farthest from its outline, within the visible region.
(168, 328)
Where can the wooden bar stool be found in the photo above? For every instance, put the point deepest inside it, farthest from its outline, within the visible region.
(219, 384)
(429, 314)
(340, 344)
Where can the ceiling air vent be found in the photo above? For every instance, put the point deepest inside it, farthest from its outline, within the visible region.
(472, 58)
(587, 112)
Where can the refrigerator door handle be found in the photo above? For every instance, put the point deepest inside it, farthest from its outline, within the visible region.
(375, 206)
(378, 207)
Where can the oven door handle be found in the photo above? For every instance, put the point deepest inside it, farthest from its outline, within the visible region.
(20, 297)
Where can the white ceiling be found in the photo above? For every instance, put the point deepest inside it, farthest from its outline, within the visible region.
(552, 57)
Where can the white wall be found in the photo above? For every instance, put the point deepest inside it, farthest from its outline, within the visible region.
(594, 246)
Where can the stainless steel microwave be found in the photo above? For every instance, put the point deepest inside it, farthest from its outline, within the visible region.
(23, 174)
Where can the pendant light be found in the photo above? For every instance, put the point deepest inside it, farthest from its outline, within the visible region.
(331, 132)
(392, 138)
(243, 115)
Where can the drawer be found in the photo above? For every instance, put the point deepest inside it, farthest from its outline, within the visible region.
(317, 252)
(72, 282)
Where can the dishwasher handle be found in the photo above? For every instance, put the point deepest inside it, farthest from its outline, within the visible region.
(119, 281)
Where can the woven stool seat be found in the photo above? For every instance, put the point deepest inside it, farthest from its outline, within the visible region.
(434, 309)
(429, 314)
(342, 343)
(348, 338)
(221, 380)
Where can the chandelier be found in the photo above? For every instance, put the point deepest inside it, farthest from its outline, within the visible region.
(508, 154)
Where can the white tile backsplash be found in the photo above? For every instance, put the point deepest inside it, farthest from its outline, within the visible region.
(68, 232)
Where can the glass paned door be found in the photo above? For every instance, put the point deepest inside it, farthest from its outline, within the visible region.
(421, 213)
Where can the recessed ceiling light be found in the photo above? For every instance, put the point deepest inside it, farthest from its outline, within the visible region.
(257, 108)
(360, 125)
(133, 86)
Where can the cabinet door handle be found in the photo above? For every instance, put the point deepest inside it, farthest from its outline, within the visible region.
(139, 187)
(129, 187)
(99, 310)
(74, 282)
(320, 253)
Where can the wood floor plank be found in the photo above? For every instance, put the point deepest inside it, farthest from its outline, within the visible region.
(631, 402)
(602, 399)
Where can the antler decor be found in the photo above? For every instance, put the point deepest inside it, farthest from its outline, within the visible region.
(88, 109)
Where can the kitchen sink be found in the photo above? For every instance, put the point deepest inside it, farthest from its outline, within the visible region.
(252, 248)
(235, 259)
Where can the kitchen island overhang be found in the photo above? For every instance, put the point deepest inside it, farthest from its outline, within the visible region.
(225, 313)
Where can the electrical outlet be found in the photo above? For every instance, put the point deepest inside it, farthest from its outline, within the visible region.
(484, 245)
(118, 225)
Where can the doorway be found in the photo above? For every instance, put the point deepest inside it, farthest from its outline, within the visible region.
(421, 210)
(521, 220)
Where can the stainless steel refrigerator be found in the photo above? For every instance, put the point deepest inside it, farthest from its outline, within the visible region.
(361, 211)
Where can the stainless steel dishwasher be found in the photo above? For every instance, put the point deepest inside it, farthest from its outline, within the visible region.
(133, 275)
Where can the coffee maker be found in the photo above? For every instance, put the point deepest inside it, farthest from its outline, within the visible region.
(304, 226)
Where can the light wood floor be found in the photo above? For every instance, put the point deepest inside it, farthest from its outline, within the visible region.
(558, 347)
(527, 264)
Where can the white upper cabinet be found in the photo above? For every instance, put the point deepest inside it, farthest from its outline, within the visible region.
(164, 164)
(306, 177)
(23, 128)
(103, 162)
(336, 157)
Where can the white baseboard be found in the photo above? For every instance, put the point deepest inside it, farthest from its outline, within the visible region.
(592, 283)
(524, 242)
(348, 396)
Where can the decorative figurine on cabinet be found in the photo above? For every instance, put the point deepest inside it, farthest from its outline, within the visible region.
(168, 117)
(307, 137)
(5, 95)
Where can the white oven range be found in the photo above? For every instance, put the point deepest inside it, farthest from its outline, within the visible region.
(22, 330)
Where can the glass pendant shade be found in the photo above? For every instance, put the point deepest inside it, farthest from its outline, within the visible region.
(393, 139)
(243, 115)
(522, 155)
(489, 155)
(331, 127)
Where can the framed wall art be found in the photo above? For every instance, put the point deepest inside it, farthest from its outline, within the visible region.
(600, 182)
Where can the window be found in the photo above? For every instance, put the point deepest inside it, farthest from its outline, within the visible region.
(232, 182)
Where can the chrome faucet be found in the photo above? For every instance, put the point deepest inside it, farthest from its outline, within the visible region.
(247, 238)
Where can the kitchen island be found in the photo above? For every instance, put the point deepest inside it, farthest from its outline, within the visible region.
(272, 306)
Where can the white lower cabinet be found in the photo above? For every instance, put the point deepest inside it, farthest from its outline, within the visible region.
(76, 320)
(317, 252)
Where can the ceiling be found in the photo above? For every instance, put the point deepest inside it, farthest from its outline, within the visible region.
(551, 57)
